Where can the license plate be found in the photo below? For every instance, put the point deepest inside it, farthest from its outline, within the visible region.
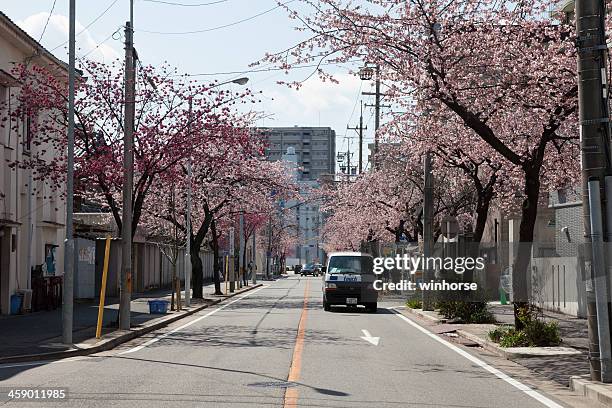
(351, 301)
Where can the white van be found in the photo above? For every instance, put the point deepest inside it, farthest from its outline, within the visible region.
(348, 281)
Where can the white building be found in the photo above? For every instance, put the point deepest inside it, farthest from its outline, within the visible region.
(32, 214)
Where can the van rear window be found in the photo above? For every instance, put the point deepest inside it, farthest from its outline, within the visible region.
(350, 264)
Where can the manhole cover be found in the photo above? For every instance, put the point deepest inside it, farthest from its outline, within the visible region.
(273, 384)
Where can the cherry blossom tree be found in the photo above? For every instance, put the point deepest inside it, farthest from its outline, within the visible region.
(388, 203)
(505, 69)
(229, 176)
(164, 123)
(479, 164)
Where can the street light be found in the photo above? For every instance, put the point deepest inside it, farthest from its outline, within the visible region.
(239, 81)
(366, 73)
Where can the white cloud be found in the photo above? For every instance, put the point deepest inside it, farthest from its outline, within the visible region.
(57, 33)
(315, 100)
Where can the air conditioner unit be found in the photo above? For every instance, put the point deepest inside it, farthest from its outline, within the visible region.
(26, 306)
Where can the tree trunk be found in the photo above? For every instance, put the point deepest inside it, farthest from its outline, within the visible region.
(172, 285)
(216, 264)
(197, 272)
(520, 268)
(482, 213)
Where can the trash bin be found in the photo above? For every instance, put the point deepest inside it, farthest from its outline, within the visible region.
(16, 303)
(26, 302)
(158, 306)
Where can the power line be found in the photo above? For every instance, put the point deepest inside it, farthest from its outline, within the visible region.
(171, 3)
(47, 22)
(356, 100)
(205, 30)
(100, 43)
(88, 25)
(251, 71)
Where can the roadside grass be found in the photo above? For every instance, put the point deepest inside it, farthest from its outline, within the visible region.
(414, 304)
(536, 332)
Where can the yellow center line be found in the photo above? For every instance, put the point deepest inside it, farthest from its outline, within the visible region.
(291, 393)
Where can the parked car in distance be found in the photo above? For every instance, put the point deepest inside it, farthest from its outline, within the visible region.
(310, 269)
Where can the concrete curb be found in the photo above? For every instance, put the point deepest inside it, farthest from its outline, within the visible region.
(511, 353)
(420, 313)
(592, 390)
(115, 338)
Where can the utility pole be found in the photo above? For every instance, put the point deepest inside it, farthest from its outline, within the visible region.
(377, 110)
(269, 251)
(342, 156)
(188, 219)
(253, 270)
(242, 248)
(593, 107)
(360, 130)
(68, 292)
(125, 284)
(427, 228)
(348, 159)
(232, 268)
(376, 107)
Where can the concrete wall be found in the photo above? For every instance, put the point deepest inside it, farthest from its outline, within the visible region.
(85, 270)
(557, 285)
(152, 269)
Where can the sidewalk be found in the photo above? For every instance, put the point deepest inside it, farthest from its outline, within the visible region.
(574, 330)
(40, 332)
(556, 363)
(567, 365)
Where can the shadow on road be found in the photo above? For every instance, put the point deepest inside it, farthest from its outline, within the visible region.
(433, 368)
(235, 336)
(324, 391)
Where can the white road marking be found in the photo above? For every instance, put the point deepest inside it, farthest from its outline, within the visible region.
(368, 337)
(42, 362)
(212, 312)
(517, 384)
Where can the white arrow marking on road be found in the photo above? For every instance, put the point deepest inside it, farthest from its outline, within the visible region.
(368, 337)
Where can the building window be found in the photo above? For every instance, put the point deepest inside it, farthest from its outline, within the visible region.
(562, 196)
(4, 112)
(27, 134)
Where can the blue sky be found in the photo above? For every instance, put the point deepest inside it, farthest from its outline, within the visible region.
(216, 52)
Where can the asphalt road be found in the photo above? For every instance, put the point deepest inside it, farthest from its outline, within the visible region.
(275, 347)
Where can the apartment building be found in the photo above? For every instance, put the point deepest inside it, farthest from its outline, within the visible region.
(310, 153)
(32, 213)
(315, 148)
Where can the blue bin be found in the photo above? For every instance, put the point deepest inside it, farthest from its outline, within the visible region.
(158, 306)
(16, 304)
